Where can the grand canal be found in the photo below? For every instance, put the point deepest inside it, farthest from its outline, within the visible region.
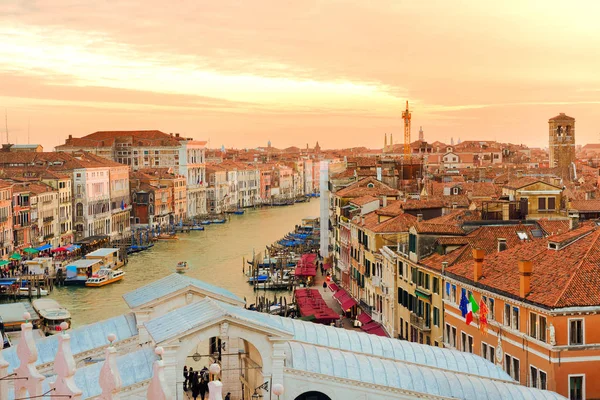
(214, 255)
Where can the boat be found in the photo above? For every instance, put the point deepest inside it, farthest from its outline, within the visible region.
(197, 228)
(166, 236)
(52, 315)
(238, 212)
(206, 222)
(182, 266)
(78, 272)
(104, 277)
(218, 221)
(258, 279)
(24, 291)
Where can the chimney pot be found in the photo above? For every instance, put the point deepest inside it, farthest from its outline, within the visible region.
(444, 266)
(419, 217)
(177, 135)
(70, 136)
(478, 255)
(525, 269)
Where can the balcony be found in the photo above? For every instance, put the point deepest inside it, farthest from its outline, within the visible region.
(365, 307)
(48, 236)
(3, 219)
(419, 322)
(48, 219)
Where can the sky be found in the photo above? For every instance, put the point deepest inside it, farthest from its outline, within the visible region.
(240, 73)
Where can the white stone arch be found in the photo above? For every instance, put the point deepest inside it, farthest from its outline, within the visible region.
(178, 350)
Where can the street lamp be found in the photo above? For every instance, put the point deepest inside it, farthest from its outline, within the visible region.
(277, 389)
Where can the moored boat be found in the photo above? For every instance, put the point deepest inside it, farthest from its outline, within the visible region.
(239, 212)
(165, 236)
(218, 221)
(104, 277)
(206, 222)
(197, 228)
(51, 315)
(182, 266)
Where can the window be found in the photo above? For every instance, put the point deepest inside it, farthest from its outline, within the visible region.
(436, 316)
(537, 378)
(533, 325)
(575, 331)
(511, 316)
(512, 366)
(537, 326)
(436, 285)
(576, 389)
(453, 294)
(515, 318)
(412, 243)
(551, 203)
(542, 328)
(488, 352)
(542, 203)
(491, 309)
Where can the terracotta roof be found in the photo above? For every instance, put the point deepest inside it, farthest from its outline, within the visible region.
(561, 117)
(109, 138)
(457, 217)
(586, 205)
(421, 204)
(56, 161)
(361, 201)
(400, 223)
(565, 277)
(367, 186)
(554, 226)
(519, 183)
(435, 260)
(433, 228)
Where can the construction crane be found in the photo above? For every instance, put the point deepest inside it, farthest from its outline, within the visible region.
(406, 117)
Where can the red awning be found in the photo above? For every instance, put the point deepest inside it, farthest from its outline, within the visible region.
(56, 250)
(348, 302)
(364, 318)
(326, 266)
(379, 331)
(333, 287)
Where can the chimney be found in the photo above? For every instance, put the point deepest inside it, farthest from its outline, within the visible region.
(419, 217)
(525, 268)
(444, 266)
(177, 135)
(478, 255)
(70, 137)
(384, 201)
(519, 173)
(573, 223)
(502, 244)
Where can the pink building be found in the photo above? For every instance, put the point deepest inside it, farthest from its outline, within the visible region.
(266, 176)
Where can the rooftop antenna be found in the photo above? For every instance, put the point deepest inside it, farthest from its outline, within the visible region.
(6, 124)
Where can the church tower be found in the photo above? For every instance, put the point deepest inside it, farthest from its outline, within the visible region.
(561, 130)
(384, 143)
(421, 136)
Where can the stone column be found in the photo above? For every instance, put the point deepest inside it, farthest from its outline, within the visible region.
(140, 318)
(278, 362)
(230, 364)
(171, 373)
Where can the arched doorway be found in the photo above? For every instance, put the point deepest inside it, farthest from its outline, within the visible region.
(241, 364)
(313, 396)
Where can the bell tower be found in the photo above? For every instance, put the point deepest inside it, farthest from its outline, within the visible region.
(561, 130)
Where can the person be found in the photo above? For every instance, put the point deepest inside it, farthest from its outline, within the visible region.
(324, 286)
(185, 377)
(228, 396)
(189, 378)
(195, 386)
(203, 388)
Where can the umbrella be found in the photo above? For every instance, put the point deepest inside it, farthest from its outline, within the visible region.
(30, 250)
(3, 263)
(15, 256)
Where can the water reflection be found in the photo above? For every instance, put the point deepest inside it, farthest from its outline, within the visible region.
(214, 255)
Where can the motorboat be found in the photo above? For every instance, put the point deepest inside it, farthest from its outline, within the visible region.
(197, 228)
(182, 267)
(51, 315)
(218, 221)
(205, 222)
(104, 277)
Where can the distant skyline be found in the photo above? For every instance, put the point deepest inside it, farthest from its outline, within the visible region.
(242, 73)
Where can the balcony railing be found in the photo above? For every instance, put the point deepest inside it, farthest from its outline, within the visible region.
(3, 219)
(48, 219)
(365, 307)
(48, 236)
(419, 322)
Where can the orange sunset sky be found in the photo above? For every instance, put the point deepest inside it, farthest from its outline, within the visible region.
(242, 72)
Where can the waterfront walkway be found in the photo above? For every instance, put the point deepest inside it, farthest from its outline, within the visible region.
(347, 323)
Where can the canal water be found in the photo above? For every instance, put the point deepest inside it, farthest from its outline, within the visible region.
(214, 255)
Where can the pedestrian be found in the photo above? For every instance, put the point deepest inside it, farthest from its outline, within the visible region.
(195, 386)
(185, 377)
(228, 396)
(203, 388)
(189, 379)
(324, 286)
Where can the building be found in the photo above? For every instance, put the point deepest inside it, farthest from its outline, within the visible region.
(561, 131)
(44, 203)
(120, 202)
(151, 149)
(6, 219)
(36, 148)
(218, 194)
(21, 208)
(153, 204)
(257, 356)
(542, 303)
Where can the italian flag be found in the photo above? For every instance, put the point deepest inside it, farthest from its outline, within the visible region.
(472, 307)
